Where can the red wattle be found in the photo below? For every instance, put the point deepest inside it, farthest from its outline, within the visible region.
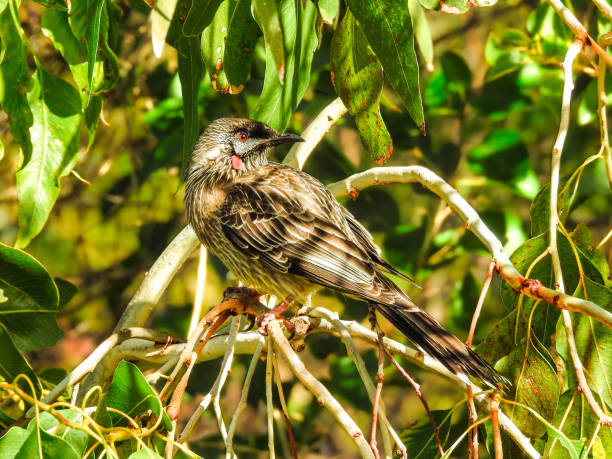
(236, 162)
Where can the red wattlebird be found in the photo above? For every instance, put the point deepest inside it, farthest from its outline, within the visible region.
(282, 232)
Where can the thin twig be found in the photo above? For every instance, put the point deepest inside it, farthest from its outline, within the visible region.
(554, 223)
(324, 398)
(579, 30)
(243, 400)
(285, 411)
(353, 353)
(495, 426)
(380, 375)
(604, 7)
(417, 389)
(409, 174)
(472, 414)
(269, 400)
(196, 312)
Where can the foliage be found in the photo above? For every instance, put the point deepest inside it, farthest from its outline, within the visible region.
(89, 86)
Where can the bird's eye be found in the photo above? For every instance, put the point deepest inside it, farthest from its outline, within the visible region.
(241, 136)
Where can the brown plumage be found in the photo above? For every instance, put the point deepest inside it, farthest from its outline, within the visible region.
(282, 232)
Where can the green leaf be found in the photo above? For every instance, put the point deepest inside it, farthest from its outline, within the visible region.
(77, 439)
(277, 102)
(242, 35)
(21, 443)
(536, 386)
(388, 28)
(56, 107)
(420, 440)
(55, 25)
(15, 79)
(328, 9)
(161, 15)
(422, 32)
(593, 341)
(145, 454)
(358, 79)
(130, 393)
(32, 300)
(93, 39)
(228, 44)
(58, 5)
(199, 16)
(268, 18)
(190, 70)
(12, 363)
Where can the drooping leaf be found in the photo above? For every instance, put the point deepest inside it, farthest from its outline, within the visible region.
(199, 16)
(20, 443)
(161, 15)
(277, 102)
(131, 394)
(55, 25)
(190, 70)
(388, 28)
(242, 35)
(56, 107)
(358, 80)
(268, 18)
(32, 300)
(15, 78)
(228, 44)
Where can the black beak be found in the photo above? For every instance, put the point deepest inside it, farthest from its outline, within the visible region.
(283, 138)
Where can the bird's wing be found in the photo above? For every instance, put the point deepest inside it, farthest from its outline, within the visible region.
(367, 242)
(291, 223)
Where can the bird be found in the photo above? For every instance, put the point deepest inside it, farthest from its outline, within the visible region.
(282, 232)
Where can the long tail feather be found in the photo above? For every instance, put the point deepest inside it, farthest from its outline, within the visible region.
(439, 343)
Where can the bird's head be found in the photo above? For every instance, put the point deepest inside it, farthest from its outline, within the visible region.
(231, 146)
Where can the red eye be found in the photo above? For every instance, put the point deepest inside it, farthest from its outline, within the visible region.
(242, 136)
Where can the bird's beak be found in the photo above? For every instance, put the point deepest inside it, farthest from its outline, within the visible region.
(283, 138)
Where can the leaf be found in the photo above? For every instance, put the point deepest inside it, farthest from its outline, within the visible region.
(422, 32)
(388, 28)
(420, 440)
(33, 300)
(267, 16)
(328, 9)
(77, 439)
(58, 5)
(277, 102)
(536, 386)
(539, 212)
(160, 22)
(21, 443)
(130, 393)
(15, 79)
(12, 363)
(93, 39)
(145, 454)
(358, 79)
(242, 36)
(454, 6)
(593, 342)
(55, 25)
(190, 70)
(56, 107)
(199, 16)
(228, 44)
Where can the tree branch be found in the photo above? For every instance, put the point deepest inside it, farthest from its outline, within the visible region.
(410, 174)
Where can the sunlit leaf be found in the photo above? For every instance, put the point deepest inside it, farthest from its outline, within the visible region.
(268, 18)
(130, 393)
(388, 28)
(15, 79)
(358, 80)
(20, 443)
(277, 102)
(422, 33)
(328, 10)
(56, 107)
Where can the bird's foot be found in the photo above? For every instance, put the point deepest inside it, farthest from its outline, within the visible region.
(275, 313)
